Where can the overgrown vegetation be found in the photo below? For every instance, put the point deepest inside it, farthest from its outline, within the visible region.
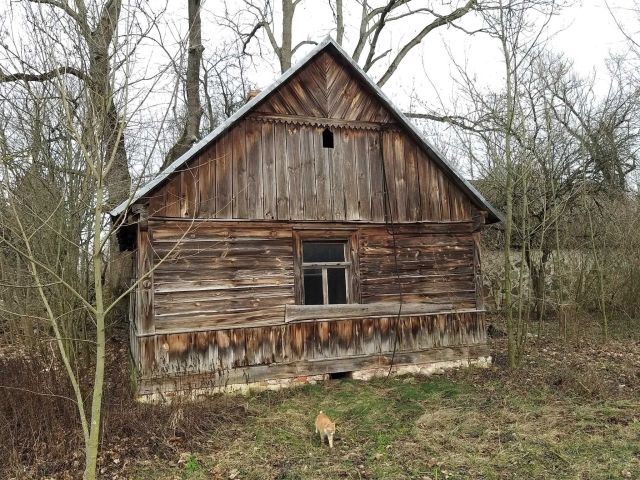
(84, 120)
(571, 411)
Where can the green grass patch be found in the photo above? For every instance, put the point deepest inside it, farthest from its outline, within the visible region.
(414, 428)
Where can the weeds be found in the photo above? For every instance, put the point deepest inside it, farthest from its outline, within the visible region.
(570, 412)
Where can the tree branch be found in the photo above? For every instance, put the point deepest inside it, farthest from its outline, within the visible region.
(438, 22)
(42, 77)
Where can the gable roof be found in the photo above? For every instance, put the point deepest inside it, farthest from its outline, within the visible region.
(327, 44)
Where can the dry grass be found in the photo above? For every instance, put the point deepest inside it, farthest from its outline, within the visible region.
(564, 415)
(572, 411)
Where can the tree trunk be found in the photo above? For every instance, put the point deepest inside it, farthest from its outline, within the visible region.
(288, 9)
(191, 130)
(339, 22)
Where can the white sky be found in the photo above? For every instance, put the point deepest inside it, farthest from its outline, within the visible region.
(584, 32)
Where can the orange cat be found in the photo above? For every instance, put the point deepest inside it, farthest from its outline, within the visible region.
(325, 427)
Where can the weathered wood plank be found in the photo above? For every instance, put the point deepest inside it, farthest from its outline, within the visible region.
(363, 175)
(413, 212)
(307, 154)
(352, 211)
(374, 155)
(255, 192)
(336, 160)
(388, 177)
(282, 173)
(297, 313)
(224, 177)
(269, 172)
(239, 152)
(399, 177)
(323, 178)
(294, 164)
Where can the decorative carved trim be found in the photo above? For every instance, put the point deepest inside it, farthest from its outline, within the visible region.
(322, 122)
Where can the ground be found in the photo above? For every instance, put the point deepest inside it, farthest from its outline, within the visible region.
(571, 411)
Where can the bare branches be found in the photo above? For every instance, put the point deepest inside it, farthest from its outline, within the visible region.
(440, 21)
(191, 129)
(42, 77)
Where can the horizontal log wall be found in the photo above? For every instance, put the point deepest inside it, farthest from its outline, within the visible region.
(211, 275)
(224, 350)
(426, 268)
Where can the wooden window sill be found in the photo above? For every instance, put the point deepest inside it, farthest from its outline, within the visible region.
(299, 313)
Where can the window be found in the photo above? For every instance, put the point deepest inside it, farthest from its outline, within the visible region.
(327, 138)
(325, 272)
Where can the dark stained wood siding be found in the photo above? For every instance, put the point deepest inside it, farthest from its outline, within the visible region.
(217, 275)
(272, 165)
(224, 350)
(273, 171)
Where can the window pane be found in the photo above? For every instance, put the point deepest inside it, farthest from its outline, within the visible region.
(313, 287)
(323, 252)
(337, 285)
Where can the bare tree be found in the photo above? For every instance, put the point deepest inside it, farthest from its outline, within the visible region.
(60, 177)
(193, 111)
(258, 16)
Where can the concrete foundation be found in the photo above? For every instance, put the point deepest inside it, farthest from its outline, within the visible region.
(426, 369)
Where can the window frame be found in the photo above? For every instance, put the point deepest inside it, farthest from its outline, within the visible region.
(351, 265)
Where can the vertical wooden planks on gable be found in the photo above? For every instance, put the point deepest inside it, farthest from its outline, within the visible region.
(190, 193)
(207, 187)
(350, 175)
(424, 183)
(323, 178)
(445, 209)
(239, 150)
(296, 198)
(172, 197)
(269, 171)
(308, 173)
(282, 173)
(224, 177)
(375, 161)
(336, 160)
(433, 188)
(413, 183)
(399, 177)
(254, 169)
(362, 173)
(388, 177)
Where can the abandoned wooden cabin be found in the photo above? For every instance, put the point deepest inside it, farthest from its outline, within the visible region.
(315, 232)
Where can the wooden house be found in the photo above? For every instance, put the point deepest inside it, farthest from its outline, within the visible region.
(315, 232)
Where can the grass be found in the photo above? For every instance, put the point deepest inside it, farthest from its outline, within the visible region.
(572, 411)
(464, 426)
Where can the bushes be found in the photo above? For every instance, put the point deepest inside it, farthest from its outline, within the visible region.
(40, 421)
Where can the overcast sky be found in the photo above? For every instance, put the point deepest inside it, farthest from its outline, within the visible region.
(584, 32)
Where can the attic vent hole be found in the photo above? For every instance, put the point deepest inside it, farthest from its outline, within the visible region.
(327, 138)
